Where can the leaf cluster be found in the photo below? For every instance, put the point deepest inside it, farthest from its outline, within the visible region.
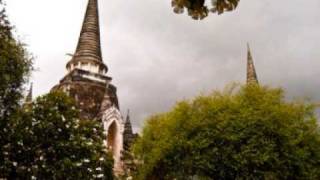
(15, 68)
(198, 9)
(5, 27)
(252, 133)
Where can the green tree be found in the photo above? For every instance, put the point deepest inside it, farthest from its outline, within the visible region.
(15, 67)
(197, 9)
(50, 141)
(251, 133)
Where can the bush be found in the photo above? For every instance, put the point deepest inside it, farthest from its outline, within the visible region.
(252, 133)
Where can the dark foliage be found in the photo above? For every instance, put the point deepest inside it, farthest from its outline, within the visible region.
(15, 67)
(198, 10)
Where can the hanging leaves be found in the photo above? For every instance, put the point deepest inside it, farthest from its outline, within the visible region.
(198, 9)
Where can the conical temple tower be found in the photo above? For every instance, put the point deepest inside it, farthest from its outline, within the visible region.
(29, 95)
(88, 50)
(251, 71)
(128, 135)
(27, 104)
(87, 82)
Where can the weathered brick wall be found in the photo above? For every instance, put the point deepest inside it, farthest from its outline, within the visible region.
(88, 96)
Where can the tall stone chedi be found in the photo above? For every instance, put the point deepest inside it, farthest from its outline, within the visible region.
(251, 71)
(29, 96)
(87, 82)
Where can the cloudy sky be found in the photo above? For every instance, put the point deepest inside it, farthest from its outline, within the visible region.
(157, 57)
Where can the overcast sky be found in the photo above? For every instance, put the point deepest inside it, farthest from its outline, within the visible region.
(157, 57)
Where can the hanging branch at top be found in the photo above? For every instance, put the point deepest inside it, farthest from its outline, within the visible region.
(198, 10)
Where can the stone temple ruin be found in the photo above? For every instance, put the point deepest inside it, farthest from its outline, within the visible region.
(87, 82)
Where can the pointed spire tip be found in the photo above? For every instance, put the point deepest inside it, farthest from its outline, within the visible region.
(251, 71)
(29, 96)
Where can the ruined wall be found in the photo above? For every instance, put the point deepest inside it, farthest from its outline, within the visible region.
(88, 96)
(92, 92)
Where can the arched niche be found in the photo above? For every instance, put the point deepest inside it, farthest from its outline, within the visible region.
(112, 138)
(114, 127)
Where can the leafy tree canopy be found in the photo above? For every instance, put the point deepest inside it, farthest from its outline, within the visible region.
(49, 141)
(251, 133)
(15, 67)
(198, 9)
